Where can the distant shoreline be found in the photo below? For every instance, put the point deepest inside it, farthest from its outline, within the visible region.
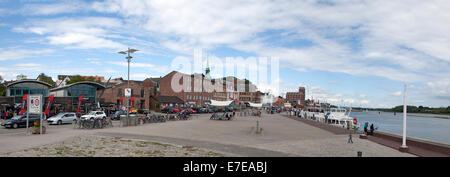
(426, 115)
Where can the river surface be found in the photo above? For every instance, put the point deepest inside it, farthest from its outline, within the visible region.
(425, 126)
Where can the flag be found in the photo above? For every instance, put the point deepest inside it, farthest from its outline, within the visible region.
(23, 109)
(80, 99)
(49, 105)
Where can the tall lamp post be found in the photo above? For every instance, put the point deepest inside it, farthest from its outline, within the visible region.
(128, 52)
(404, 148)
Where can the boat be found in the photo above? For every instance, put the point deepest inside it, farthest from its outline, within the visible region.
(340, 117)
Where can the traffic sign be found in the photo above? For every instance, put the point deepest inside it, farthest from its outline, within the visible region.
(35, 104)
(128, 92)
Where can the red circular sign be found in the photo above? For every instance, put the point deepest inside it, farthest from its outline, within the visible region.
(36, 102)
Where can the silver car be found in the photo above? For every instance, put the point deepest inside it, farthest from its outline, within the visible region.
(62, 118)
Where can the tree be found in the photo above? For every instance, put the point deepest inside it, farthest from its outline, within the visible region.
(78, 78)
(2, 90)
(2, 87)
(21, 77)
(47, 79)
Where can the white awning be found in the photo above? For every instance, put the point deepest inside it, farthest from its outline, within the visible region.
(256, 105)
(220, 103)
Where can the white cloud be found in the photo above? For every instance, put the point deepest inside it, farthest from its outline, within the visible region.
(15, 54)
(151, 67)
(398, 93)
(62, 7)
(365, 102)
(81, 33)
(140, 76)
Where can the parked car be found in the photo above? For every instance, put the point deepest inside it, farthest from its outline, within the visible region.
(21, 121)
(94, 115)
(143, 111)
(190, 110)
(186, 111)
(170, 110)
(62, 118)
(116, 115)
(165, 110)
(203, 110)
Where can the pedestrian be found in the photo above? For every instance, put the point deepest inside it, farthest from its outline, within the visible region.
(365, 127)
(350, 138)
(371, 129)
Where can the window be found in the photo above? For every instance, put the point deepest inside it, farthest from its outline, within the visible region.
(119, 93)
(142, 92)
(18, 92)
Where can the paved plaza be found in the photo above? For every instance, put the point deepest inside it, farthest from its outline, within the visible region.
(280, 136)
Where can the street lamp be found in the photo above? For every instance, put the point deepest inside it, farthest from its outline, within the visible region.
(128, 52)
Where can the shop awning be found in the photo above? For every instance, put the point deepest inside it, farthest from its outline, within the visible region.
(220, 103)
(256, 105)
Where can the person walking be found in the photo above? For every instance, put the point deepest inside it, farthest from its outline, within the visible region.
(350, 138)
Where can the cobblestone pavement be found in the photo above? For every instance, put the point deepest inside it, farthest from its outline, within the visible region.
(106, 146)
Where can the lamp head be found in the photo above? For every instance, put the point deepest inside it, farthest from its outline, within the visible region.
(132, 50)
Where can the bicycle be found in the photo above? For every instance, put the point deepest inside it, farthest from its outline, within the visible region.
(106, 123)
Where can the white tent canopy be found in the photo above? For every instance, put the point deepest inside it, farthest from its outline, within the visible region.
(256, 105)
(220, 103)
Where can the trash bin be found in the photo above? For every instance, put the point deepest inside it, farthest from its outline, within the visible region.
(359, 154)
(132, 121)
(123, 121)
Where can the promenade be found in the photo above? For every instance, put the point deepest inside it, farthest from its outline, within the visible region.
(416, 146)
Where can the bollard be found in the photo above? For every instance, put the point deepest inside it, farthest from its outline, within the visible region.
(257, 126)
(359, 154)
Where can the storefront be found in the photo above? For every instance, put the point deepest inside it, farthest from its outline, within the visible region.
(67, 96)
(159, 102)
(20, 88)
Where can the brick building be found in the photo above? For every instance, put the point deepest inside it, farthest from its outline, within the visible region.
(297, 99)
(197, 92)
(141, 90)
(188, 93)
(159, 102)
(254, 97)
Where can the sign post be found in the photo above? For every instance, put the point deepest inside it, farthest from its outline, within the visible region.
(128, 95)
(35, 107)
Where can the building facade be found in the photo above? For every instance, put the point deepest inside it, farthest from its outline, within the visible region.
(66, 97)
(141, 90)
(254, 97)
(297, 99)
(193, 93)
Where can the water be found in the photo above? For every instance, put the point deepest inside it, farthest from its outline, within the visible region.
(423, 126)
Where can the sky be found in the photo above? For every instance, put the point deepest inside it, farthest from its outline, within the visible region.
(347, 52)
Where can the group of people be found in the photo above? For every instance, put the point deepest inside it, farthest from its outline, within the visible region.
(368, 131)
(7, 114)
